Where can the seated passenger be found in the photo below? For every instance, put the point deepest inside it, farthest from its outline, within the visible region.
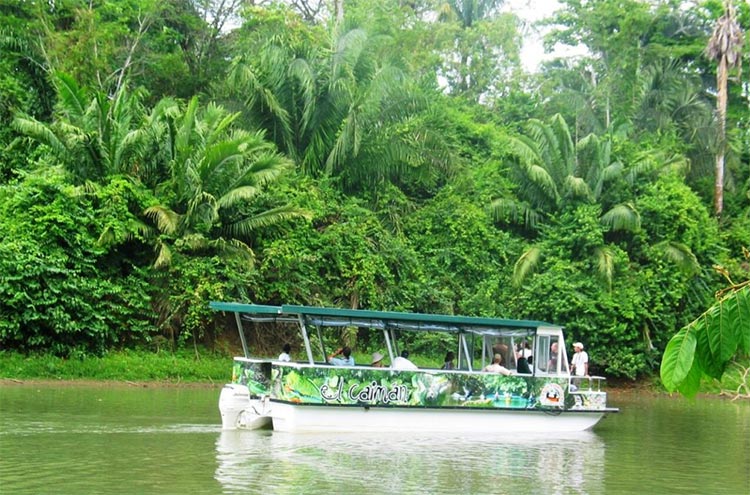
(402, 362)
(448, 364)
(284, 356)
(522, 366)
(496, 366)
(347, 360)
(377, 360)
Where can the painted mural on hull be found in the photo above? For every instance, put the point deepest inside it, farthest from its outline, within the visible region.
(423, 388)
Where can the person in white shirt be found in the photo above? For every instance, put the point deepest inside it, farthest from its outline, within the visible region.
(284, 356)
(579, 366)
(402, 362)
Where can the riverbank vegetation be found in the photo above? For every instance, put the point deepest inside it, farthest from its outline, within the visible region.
(123, 366)
(155, 156)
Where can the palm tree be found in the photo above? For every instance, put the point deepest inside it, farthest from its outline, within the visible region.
(552, 171)
(94, 137)
(553, 174)
(725, 47)
(345, 112)
(215, 173)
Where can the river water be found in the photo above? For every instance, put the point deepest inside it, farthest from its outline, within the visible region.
(131, 440)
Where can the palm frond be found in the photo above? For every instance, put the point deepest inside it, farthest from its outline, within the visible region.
(649, 162)
(679, 254)
(167, 221)
(40, 132)
(622, 217)
(564, 141)
(236, 195)
(185, 128)
(525, 265)
(303, 73)
(132, 146)
(244, 228)
(234, 248)
(193, 242)
(524, 148)
(578, 188)
(605, 264)
(506, 209)
(163, 255)
(347, 143)
(542, 179)
(349, 48)
(612, 171)
(72, 98)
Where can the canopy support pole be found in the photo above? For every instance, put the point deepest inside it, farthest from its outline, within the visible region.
(245, 350)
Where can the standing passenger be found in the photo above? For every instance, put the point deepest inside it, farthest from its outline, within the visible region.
(580, 364)
(552, 364)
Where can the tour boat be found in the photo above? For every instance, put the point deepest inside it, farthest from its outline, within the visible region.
(538, 395)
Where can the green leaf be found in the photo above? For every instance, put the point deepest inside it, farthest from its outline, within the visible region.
(742, 321)
(721, 333)
(622, 217)
(692, 382)
(678, 359)
(708, 363)
(525, 265)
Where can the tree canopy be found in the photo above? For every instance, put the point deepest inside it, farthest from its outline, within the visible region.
(386, 155)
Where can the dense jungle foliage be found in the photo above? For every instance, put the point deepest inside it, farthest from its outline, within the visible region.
(389, 155)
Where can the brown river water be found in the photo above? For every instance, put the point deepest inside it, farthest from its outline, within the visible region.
(86, 439)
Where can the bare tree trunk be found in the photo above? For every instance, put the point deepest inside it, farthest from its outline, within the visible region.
(339, 8)
(721, 111)
(725, 47)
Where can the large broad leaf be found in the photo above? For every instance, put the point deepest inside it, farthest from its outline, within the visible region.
(678, 359)
(692, 382)
(743, 319)
(708, 344)
(710, 364)
(719, 321)
(737, 315)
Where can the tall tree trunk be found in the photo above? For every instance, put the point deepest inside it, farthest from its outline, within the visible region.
(725, 47)
(721, 115)
(339, 8)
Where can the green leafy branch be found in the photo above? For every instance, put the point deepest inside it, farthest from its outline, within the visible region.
(708, 344)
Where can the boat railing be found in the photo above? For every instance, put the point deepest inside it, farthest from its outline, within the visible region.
(475, 371)
(587, 383)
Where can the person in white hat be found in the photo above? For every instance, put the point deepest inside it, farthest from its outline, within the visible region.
(377, 360)
(580, 363)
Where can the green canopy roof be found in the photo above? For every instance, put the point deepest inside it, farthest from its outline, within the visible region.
(382, 319)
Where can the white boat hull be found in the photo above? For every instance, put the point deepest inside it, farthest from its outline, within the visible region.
(310, 418)
(239, 411)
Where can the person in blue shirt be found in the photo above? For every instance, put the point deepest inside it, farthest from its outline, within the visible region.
(347, 360)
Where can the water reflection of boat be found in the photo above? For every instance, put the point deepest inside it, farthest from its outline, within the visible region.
(315, 396)
(274, 462)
